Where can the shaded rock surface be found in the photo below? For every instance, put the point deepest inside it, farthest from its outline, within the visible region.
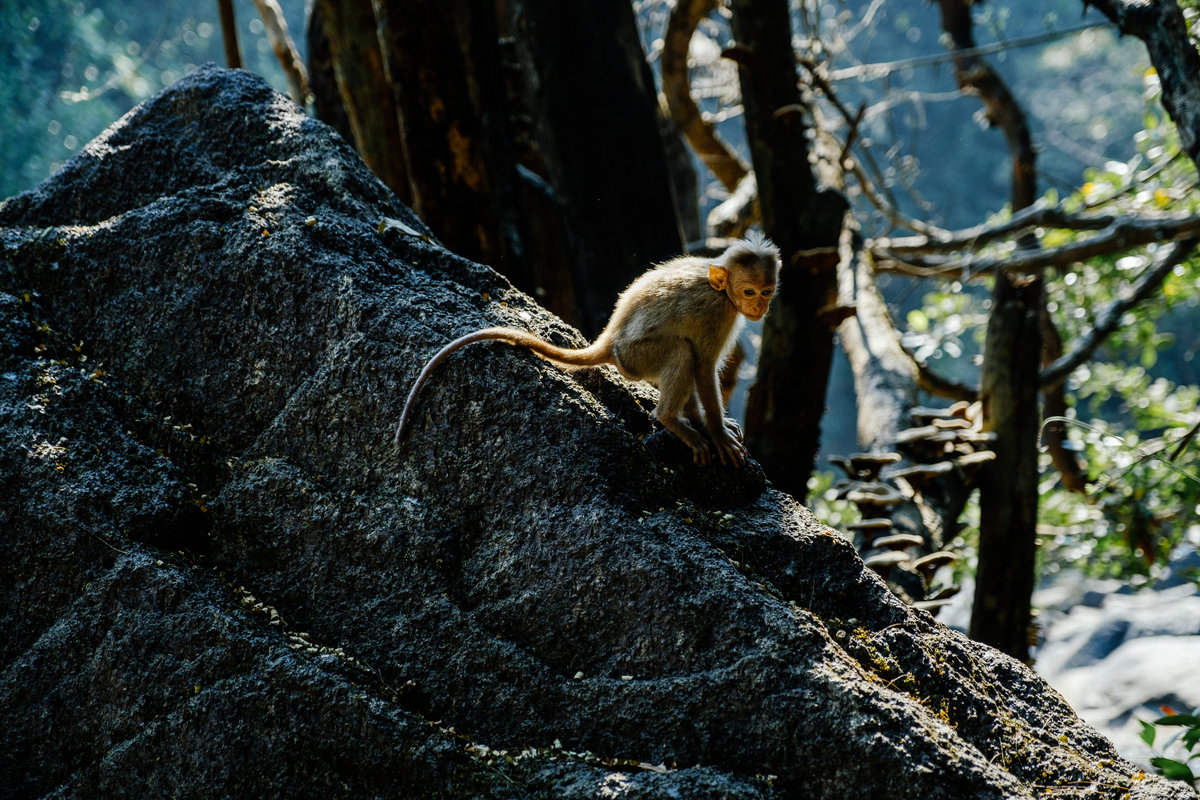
(220, 578)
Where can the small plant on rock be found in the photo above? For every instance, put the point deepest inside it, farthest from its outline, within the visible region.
(1189, 737)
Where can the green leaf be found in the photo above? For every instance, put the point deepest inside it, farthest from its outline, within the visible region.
(1148, 733)
(1191, 738)
(1173, 770)
(1186, 720)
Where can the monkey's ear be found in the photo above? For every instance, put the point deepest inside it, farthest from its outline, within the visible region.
(718, 277)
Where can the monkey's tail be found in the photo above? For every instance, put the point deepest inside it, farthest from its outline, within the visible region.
(599, 352)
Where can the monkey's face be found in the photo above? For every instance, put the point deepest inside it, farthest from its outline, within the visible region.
(751, 295)
(749, 285)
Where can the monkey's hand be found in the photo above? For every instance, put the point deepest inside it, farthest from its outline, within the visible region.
(735, 429)
(729, 448)
(690, 436)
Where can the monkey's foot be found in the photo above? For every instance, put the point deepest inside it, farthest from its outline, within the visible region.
(689, 436)
(729, 447)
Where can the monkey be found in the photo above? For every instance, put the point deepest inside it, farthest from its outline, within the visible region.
(672, 327)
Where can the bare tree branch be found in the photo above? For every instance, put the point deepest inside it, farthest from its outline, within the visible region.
(1038, 215)
(285, 49)
(858, 166)
(883, 69)
(930, 381)
(734, 216)
(1121, 234)
(700, 133)
(1184, 441)
(1110, 317)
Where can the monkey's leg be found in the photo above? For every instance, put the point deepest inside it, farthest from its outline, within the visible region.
(696, 417)
(725, 433)
(676, 377)
(693, 413)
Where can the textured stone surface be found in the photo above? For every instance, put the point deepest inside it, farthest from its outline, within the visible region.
(207, 342)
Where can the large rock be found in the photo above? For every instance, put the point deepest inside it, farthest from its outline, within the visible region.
(206, 344)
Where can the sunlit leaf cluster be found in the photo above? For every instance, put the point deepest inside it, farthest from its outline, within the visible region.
(1133, 418)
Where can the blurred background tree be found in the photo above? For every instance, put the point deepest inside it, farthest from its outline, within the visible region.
(70, 69)
(576, 193)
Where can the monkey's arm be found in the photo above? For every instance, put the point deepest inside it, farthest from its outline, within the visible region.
(727, 444)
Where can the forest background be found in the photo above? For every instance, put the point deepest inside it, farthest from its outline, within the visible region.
(920, 160)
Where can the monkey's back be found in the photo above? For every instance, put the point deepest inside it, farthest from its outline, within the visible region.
(674, 301)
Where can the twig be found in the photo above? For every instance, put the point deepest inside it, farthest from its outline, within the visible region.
(1110, 317)
(1038, 215)
(1142, 455)
(1185, 440)
(285, 49)
(880, 70)
(1122, 233)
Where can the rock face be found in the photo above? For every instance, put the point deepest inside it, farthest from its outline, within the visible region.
(220, 578)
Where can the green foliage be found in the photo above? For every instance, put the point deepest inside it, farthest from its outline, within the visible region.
(1139, 396)
(825, 504)
(69, 69)
(1142, 504)
(1186, 739)
(1135, 402)
(946, 331)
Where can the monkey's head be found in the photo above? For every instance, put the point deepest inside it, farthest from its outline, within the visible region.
(747, 273)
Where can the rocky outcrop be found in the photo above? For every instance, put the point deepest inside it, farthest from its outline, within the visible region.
(220, 578)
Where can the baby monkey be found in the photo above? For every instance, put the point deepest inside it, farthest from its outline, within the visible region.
(672, 328)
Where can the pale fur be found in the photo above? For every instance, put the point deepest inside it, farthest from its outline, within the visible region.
(673, 328)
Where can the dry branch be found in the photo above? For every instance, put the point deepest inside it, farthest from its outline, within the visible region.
(700, 133)
(1120, 234)
(1038, 215)
(1110, 317)
(285, 49)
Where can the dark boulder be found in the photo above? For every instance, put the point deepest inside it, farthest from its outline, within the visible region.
(220, 578)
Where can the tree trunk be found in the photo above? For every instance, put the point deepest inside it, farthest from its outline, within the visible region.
(233, 55)
(525, 133)
(363, 94)
(787, 399)
(580, 79)
(1009, 382)
(442, 61)
(1008, 494)
(1164, 30)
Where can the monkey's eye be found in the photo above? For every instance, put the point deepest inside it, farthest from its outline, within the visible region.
(748, 292)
